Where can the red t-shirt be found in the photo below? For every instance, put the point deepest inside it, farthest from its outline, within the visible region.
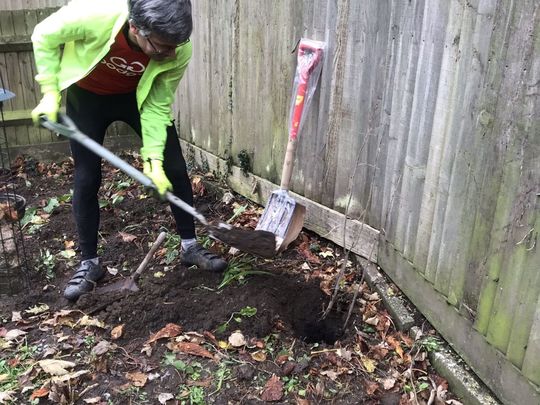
(119, 71)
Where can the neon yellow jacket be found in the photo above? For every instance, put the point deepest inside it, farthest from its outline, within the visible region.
(88, 29)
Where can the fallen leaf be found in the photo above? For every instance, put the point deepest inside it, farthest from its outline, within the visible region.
(56, 367)
(69, 376)
(170, 330)
(63, 317)
(4, 344)
(190, 348)
(304, 250)
(372, 321)
(6, 396)
(370, 387)
(3, 377)
(89, 321)
(69, 244)
(223, 345)
(95, 400)
(327, 253)
(39, 393)
(159, 274)
(163, 398)
(137, 378)
(345, 354)
(237, 339)
(372, 297)
(117, 332)
(103, 347)
(113, 271)
(16, 316)
(147, 349)
(68, 253)
(392, 341)
(259, 356)
(127, 237)
(14, 334)
(369, 364)
(302, 401)
(330, 374)
(273, 390)
(37, 309)
(389, 383)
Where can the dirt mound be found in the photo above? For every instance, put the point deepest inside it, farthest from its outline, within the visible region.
(191, 298)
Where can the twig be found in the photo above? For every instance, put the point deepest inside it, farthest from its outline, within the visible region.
(336, 287)
(353, 301)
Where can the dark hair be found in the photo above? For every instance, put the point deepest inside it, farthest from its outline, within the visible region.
(169, 19)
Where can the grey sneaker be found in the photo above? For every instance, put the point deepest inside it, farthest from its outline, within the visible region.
(84, 280)
(203, 259)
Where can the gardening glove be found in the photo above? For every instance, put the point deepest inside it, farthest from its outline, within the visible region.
(48, 106)
(153, 168)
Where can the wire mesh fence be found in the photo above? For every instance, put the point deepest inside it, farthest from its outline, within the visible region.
(14, 271)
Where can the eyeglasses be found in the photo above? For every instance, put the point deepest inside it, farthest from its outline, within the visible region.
(165, 49)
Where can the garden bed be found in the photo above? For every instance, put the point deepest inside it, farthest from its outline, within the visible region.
(253, 334)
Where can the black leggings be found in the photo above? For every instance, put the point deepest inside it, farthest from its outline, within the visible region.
(92, 114)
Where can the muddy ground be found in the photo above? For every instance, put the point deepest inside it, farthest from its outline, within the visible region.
(254, 334)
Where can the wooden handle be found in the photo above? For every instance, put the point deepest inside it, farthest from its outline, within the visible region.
(149, 255)
(288, 164)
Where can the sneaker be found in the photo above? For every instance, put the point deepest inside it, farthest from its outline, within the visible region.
(203, 259)
(84, 280)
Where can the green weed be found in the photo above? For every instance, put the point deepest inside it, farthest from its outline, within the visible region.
(46, 263)
(238, 269)
(246, 312)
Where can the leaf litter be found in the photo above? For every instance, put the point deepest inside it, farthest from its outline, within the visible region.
(182, 338)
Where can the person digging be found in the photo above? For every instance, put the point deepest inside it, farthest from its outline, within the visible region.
(122, 61)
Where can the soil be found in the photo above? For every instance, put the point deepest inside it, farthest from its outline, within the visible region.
(315, 359)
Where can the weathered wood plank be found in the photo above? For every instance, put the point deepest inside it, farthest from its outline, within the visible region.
(490, 365)
(360, 238)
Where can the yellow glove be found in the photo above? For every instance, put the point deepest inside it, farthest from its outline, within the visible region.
(48, 106)
(153, 168)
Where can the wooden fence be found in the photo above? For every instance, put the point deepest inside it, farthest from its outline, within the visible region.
(420, 151)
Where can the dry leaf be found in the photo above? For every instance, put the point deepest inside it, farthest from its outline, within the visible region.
(371, 387)
(330, 374)
(103, 347)
(137, 378)
(6, 396)
(117, 332)
(302, 401)
(259, 355)
(127, 237)
(345, 354)
(389, 383)
(4, 344)
(69, 244)
(69, 376)
(369, 364)
(14, 334)
(95, 400)
(170, 330)
(56, 367)
(273, 390)
(37, 309)
(374, 320)
(16, 316)
(395, 344)
(237, 339)
(39, 393)
(223, 345)
(163, 398)
(89, 321)
(190, 348)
